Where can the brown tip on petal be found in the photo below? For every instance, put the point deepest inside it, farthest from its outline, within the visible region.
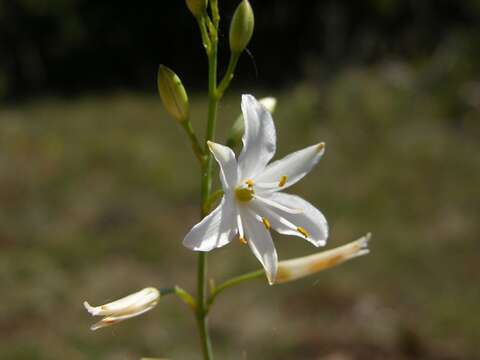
(320, 146)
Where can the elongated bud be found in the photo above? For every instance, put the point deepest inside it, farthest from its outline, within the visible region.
(294, 269)
(124, 308)
(173, 94)
(197, 7)
(241, 28)
(238, 127)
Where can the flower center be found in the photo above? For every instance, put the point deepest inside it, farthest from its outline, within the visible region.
(244, 194)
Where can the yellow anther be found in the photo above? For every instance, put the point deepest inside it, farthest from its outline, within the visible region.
(243, 194)
(249, 183)
(302, 231)
(266, 223)
(242, 240)
(283, 180)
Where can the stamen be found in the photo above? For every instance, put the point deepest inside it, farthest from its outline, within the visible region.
(278, 206)
(241, 235)
(302, 231)
(242, 240)
(266, 223)
(283, 180)
(249, 183)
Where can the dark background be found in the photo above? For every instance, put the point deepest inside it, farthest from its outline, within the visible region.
(72, 46)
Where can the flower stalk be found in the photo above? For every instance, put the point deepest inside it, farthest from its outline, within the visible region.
(206, 186)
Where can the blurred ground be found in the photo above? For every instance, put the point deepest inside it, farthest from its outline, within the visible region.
(97, 192)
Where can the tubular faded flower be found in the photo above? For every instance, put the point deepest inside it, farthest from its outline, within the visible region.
(252, 203)
(124, 308)
(294, 269)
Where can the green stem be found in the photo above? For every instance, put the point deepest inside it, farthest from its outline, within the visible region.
(215, 12)
(202, 294)
(197, 148)
(227, 78)
(166, 291)
(202, 24)
(232, 282)
(202, 306)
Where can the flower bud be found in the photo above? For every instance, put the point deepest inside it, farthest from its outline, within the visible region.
(197, 7)
(241, 27)
(294, 269)
(173, 94)
(238, 127)
(124, 308)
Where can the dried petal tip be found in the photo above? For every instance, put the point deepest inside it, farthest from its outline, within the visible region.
(173, 94)
(124, 308)
(294, 269)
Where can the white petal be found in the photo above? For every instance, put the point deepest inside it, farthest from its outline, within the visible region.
(228, 165)
(259, 138)
(310, 219)
(261, 244)
(125, 305)
(215, 230)
(111, 320)
(283, 173)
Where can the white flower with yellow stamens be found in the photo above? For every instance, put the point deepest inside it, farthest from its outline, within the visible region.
(252, 202)
(124, 308)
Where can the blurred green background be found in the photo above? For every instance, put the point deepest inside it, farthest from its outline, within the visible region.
(98, 185)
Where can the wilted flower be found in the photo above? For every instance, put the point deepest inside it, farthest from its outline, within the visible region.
(124, 308)
(252, 201)
(289, 270)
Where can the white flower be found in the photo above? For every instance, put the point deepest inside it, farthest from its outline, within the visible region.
(124, 308)
(252, 202)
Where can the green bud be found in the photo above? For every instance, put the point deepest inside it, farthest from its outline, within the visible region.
(238, 127)
(173, 94)
(197, 7)
(241, 28)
